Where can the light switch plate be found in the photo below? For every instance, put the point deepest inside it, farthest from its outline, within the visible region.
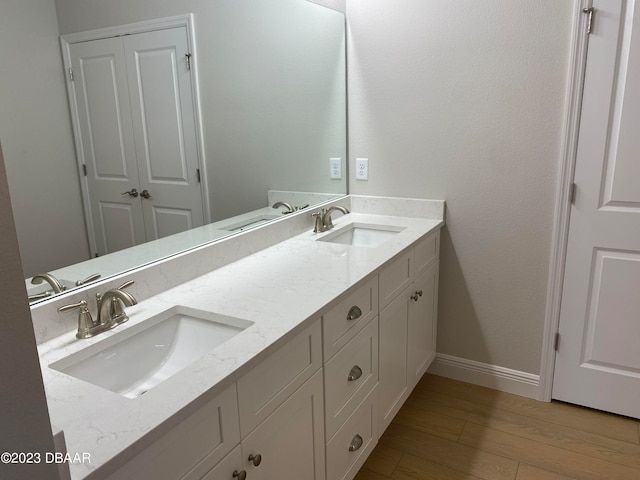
(362, 169)
(335, 168)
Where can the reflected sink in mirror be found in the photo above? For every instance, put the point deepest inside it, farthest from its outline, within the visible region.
(250, 222)
(134, 361)
(362, 235)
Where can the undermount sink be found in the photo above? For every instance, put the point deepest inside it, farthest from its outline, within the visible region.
(250, 222)
(362, 235)
(134, 361)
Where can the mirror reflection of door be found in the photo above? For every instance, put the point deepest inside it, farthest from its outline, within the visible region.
(136, 123)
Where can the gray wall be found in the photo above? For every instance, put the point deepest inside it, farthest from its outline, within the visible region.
(463, 100)
(24, 418)
(35, 130)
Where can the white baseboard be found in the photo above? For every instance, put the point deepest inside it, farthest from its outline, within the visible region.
(485, 375)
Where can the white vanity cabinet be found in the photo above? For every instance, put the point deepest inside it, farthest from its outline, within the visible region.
(314, 408)
(408, 302)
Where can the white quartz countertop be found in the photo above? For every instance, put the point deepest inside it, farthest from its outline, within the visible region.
(281, 289)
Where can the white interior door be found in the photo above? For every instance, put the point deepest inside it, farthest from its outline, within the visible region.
(598, 359)
(101, 94)
(162, 106)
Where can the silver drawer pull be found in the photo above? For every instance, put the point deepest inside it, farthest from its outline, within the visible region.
(354, 313)
(355, 373)
(355, 444)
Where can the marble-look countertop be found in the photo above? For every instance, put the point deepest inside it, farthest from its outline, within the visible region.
(281, 289)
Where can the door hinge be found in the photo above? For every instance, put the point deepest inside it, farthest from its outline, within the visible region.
(572, 194)
(591, 12)
(556, 342)
(84, 169)
(188, 55)
(71, 74)
(198, 174)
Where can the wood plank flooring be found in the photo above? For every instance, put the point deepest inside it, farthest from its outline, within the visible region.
(450, 430)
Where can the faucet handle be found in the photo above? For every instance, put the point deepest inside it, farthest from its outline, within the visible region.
(85, 320)
(317, 228)
(117, 308)
(126, 284)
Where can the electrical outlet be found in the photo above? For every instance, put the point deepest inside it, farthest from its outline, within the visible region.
(335, 168)
(362, 169)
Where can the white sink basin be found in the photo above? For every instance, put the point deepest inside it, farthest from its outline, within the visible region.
(141, 357)
(362, 235)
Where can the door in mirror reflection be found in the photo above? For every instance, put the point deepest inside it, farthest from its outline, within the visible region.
(137, 129)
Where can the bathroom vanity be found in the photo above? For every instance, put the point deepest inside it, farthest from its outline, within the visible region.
(331, 332)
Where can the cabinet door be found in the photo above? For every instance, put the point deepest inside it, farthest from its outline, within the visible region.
(290, 441)
(394, 386)
(423, 310)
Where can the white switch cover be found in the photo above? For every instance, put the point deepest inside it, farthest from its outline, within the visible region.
(335, 168)
(362, 169)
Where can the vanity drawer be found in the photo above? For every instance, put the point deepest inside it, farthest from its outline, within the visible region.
(426, 252)
(395, 277)
(350, 447)
(338, 324)
(265, 387)
(349, 376)
(202, 439)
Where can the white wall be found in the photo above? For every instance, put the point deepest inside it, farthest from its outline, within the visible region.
(35, 130)
(271, 118)
(24, 418)
(463, 100)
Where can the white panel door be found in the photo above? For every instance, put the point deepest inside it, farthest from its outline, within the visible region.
(598, 359)
(162, 106)
(107, 145)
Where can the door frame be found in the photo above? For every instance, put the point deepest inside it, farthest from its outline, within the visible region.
(562, 208)
(186, 21)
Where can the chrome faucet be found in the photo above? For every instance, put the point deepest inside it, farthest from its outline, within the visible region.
(56, 285)
(323, 220)
(289, 208)
(110, 311)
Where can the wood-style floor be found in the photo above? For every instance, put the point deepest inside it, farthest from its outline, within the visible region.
(449, 430)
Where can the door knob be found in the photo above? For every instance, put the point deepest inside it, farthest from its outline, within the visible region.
(240, 475)
(132, 193)
(145, 194)
(255, 459)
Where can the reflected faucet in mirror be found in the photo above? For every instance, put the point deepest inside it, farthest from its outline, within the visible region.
(56, 285)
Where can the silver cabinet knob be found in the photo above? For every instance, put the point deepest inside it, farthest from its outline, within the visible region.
(132, 193)
(356, 443)
(255, 459)
(355, 373)
(145, 194)
(354, 313)
(240, 475)
(416, 295)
